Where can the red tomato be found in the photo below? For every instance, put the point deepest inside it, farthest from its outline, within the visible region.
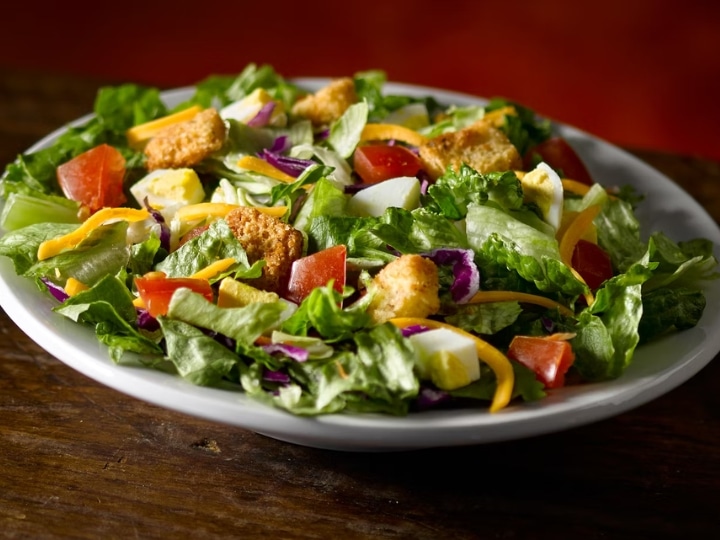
(377, 162)
(156, 292)
(317, 270)
(548, 358)
(557, 153)
(94, 178)
(592, 262)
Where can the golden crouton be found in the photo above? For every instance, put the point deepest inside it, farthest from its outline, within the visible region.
(266, 237)
(327, 104)
(481, 146)
(187, 143)
(406, 287)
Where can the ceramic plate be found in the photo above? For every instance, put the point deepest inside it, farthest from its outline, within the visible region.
(656, 369)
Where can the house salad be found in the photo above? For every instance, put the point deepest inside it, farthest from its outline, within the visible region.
(342, 249)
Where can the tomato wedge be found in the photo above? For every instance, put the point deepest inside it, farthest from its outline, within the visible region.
(156, 291)
(317, 270)
(592, 263)
(377, 162)
(557, 153)
(94, 178)
(549, 358)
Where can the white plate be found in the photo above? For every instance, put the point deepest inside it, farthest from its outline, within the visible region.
(657, 367)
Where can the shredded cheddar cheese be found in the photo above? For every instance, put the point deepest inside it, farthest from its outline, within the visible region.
(255, 164)
(214, 269)
(201, 211)
(138, 135)
(52, 247)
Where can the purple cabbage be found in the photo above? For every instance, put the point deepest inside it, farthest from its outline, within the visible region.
(146, 321)
(298, 354)
(262, 118)
(55, 290)
(351, 189)
(289, 165)
(414, 329)
(281, 144)
(465, 271)
(160, 220)
(431, 398)
(276, 376)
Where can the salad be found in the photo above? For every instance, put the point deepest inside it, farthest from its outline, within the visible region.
(342, 249)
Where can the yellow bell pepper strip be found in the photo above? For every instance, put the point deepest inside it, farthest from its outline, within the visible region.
(73, 286)
(52, 247)
(387, 132)
(255, 164)
(488, 297)
(497, 361)
(138, 135)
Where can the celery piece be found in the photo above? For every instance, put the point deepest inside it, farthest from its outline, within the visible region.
(21, 210)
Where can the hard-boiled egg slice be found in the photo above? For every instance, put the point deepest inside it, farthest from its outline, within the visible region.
(543, 187)
(400, 192)
(449, 360)
(168, 188)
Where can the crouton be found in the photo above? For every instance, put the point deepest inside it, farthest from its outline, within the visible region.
(187, 143)
(481, 146)
(327, 104)
(266, 237)
(406, 287)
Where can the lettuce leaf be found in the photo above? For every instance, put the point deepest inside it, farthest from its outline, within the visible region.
(198, 357)
(607, 332)
(21, 245)
(103, 252)
(379, 378)
(108, 307)
(217, 242)
(499, 238)
(451, 194)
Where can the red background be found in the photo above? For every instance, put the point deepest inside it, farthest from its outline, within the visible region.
(640, 73)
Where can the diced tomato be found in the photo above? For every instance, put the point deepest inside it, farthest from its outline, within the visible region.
(94, 178)
(377, 162)
(317, 270)
(156, 291)
(557, 153)
(592, 263)
(549, 358)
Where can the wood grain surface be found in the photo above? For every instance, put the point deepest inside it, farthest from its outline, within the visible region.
(79, 460)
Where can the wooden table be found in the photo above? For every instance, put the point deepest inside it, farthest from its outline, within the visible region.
(80, 460)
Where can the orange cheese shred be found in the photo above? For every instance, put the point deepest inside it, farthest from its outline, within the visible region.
(52, 247)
